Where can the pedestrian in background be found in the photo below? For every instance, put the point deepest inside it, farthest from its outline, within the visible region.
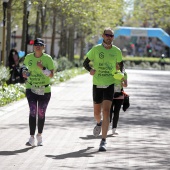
(120, 77)
(162, 62)
(104, 58)
(38, 69)
(14, 67)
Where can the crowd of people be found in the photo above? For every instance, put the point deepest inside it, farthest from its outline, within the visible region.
(146, 46)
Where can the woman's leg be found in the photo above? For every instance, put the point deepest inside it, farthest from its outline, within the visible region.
(32, 101)
(111, 111)
(42, 106)
(116, 110)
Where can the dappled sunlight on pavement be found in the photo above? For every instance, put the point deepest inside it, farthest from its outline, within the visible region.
(142, 143)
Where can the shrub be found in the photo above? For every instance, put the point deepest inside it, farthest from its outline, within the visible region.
(10, 93)
(156, 66)
(78, 63)
(145, 65)
(63, 63)
(67, 74)
(4, 74)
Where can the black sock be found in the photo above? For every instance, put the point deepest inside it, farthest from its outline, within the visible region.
(103, 139)
(99, 124)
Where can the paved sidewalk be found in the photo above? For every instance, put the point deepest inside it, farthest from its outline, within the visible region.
(142, 144)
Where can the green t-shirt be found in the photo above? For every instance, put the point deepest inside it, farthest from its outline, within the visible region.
(118, 82)
(36, 75)
(104, 62)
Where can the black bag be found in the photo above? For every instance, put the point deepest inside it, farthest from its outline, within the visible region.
(126, 102)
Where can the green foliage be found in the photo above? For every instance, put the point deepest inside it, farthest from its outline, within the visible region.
(63, 63)
(4, 74)
(10, 93)
(65, 75)
(137, 60)
(78, 63)
(151, 12)
(145, 63)
(14, 92)
(86, 15)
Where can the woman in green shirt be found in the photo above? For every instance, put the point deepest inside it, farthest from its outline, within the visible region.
(38, 69)
(120, 81)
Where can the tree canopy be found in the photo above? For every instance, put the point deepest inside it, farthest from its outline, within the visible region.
(82, 18)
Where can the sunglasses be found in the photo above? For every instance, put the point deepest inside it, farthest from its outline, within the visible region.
(109, 35)
(38, 45)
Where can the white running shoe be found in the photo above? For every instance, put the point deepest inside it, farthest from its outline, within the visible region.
(114, 132)
(39, 140)
(97, 130)
(102, 146)
(31, 141)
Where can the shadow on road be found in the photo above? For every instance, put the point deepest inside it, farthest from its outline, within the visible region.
(76, 154)
(15, 152)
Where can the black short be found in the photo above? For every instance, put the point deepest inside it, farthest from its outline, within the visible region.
(100, 94)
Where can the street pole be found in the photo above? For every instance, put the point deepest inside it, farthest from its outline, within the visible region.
(5, 4)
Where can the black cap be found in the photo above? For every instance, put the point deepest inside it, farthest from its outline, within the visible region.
(39, 41)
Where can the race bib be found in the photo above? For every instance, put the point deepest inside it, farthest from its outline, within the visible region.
(103, 87)
(38, 90)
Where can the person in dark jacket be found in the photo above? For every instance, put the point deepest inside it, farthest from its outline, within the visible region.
(14, 66)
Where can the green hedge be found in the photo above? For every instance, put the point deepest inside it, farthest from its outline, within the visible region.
(138, 60)
(14, 92)
(4, 74)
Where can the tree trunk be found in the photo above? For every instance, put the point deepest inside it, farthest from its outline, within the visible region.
(63, 39)
(71, 44)
(82, 47)
(24, 25)
(8, 39)
(53, 35)
(43, 17)
(37, 28)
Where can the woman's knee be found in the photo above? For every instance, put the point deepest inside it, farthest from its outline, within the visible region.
(33, 114)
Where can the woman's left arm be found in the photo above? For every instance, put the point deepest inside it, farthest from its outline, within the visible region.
(46, 71)
(124, 80)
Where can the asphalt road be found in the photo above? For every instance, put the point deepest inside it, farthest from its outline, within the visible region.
(143, 142)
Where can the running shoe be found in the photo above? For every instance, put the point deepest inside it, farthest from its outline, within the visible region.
(102, 146)
(31, 141)
(114, 132)
(97, 129)
(39, 140)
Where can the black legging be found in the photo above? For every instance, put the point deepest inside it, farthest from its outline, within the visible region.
(37, 103)
(114, 112)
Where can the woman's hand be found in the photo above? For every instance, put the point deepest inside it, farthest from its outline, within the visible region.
(25, 74)
(124, 83)
(39, 64)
